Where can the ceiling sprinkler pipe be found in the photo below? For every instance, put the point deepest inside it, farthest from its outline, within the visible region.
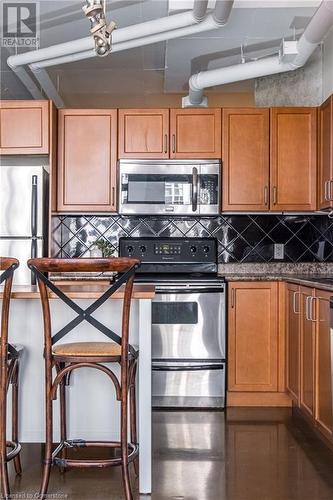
(140, 30)
(314, 33)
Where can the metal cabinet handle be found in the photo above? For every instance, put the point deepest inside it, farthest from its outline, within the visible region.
(328, 191)
(274, 195)
(194, 189)
(113, 196)
(295, 302)
(266, 195)
(326, 195)
(233, 298)
(165, 143)
(312, 309)
(173, 143)
(307, 308)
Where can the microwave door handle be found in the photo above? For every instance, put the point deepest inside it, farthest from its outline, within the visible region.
(194, 189)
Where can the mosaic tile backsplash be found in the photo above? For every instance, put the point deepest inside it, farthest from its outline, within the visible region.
(241, 238)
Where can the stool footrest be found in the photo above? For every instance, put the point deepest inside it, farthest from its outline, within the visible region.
(16, 448)
(85, 463)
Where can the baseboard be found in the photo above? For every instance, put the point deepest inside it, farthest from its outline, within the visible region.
(279, 399)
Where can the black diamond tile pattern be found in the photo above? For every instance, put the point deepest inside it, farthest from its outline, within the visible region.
(241, 238)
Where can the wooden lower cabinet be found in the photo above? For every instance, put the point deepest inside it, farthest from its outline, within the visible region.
(308, 355)
(323, 380)
(293, 337)
(253, 345)
(307, 351)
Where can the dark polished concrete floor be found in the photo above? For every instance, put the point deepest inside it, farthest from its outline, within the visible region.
(243, 454)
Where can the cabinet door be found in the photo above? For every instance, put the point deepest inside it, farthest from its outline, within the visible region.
(253, 333)
(307, 351)
(87, 160)
(245, 155)
(195, 133)
(24, 127)
(293, 159)
(143, 133)
(325, 168)
(293, 317)
(323, 364)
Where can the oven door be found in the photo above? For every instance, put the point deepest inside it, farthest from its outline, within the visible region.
(188, 324)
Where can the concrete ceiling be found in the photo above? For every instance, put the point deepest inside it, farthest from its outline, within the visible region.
(163, 68)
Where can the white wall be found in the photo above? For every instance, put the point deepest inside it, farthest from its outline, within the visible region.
(328, 65)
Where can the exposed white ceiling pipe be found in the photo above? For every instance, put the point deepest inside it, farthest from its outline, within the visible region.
(120, 35)
(200, 10)
(28, 82)
(207, 24)
(47, 85)
(222, 12)
(312, 36)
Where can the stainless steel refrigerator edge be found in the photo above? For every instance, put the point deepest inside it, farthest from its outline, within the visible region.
(23, 215)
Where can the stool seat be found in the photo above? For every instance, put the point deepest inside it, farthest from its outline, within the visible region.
(93, 349)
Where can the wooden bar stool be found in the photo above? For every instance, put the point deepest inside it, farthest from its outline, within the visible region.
(68, 357)
(9, 371)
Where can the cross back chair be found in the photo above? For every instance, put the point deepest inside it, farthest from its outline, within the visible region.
(9, 371)
(68, 357)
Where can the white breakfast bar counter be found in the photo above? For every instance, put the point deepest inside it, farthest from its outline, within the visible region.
(92, 410)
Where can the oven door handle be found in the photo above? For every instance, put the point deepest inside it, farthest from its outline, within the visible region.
(187, 368)
(194, 189)
(179, 291)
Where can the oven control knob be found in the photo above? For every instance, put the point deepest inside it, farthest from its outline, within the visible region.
(193, 249)
(143, 249)
(206, 249)
(130, 249)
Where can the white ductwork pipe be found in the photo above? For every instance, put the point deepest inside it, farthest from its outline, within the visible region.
(120, 35)
(312, 36)
(28, 82)
(208, 24)
(46, 83)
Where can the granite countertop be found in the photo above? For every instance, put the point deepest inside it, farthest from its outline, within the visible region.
(318, 275)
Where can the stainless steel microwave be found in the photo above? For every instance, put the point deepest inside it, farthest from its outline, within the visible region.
(163, 187)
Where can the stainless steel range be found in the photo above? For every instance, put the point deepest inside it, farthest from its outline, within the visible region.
(188, 317)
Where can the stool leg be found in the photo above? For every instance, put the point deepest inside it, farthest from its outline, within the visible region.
(3, 450)
(15, 379)
(134, 436)
(124, 447)
(63, 425)
(49, 431)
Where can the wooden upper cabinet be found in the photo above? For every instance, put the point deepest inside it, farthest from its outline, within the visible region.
(195, 133)
(325, 154)
(143, 133)
(24, 127)
(293, 159)
(245, 156)
(323, 364)
(293, 324)
(253, 337)
(87, 160)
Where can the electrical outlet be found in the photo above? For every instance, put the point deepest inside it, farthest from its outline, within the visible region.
(278, 251)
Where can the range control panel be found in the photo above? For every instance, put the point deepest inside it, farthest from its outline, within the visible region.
(170, 250)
